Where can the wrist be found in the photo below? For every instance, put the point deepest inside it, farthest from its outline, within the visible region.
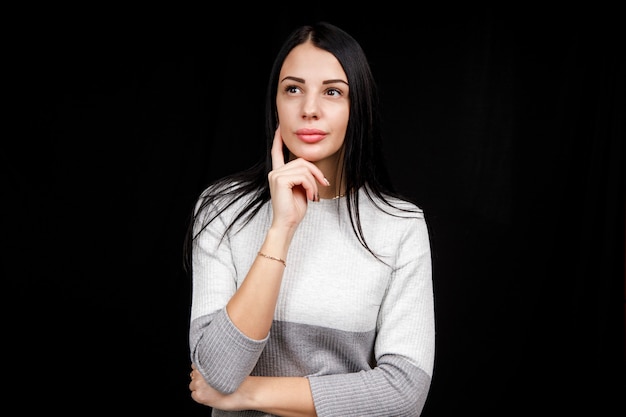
(284, 396)
(277, 242)
(247, 398)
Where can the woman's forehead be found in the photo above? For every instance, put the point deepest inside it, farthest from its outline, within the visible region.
(311, 64)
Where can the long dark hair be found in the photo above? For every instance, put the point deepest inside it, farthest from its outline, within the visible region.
(363, 162)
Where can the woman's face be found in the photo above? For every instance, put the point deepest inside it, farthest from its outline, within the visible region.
(313, 104)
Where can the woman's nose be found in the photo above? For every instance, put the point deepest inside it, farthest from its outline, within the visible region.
(310, 110)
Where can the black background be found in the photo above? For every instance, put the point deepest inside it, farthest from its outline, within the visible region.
(505, 125)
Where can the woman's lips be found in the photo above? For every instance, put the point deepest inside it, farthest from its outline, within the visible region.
(310, 135)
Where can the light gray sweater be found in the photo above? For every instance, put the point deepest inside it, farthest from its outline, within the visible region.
(362, 332)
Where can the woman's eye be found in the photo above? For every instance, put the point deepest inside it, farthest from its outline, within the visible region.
(333, 92)
(292, 89)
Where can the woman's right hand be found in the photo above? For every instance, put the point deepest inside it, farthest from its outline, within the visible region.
(292, 185)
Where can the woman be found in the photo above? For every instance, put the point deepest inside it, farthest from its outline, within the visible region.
(312, 287)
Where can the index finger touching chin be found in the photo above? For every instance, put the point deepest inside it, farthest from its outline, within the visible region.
(278, 159)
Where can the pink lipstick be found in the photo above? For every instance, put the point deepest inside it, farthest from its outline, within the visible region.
(310, 135)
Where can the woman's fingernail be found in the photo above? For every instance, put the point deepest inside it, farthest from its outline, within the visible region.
(326, 181)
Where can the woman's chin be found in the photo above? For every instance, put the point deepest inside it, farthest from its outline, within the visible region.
(308, 156)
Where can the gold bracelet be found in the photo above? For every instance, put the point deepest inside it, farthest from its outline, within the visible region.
(273, 259)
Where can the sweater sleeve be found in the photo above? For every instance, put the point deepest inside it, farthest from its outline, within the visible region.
(223, 355)
(405, 343)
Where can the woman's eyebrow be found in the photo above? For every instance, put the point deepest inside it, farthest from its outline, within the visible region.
(301, 80)
(335, 81)
(296, 79)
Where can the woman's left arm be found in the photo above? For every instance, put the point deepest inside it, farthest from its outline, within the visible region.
(281, 396)
(404, 350)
